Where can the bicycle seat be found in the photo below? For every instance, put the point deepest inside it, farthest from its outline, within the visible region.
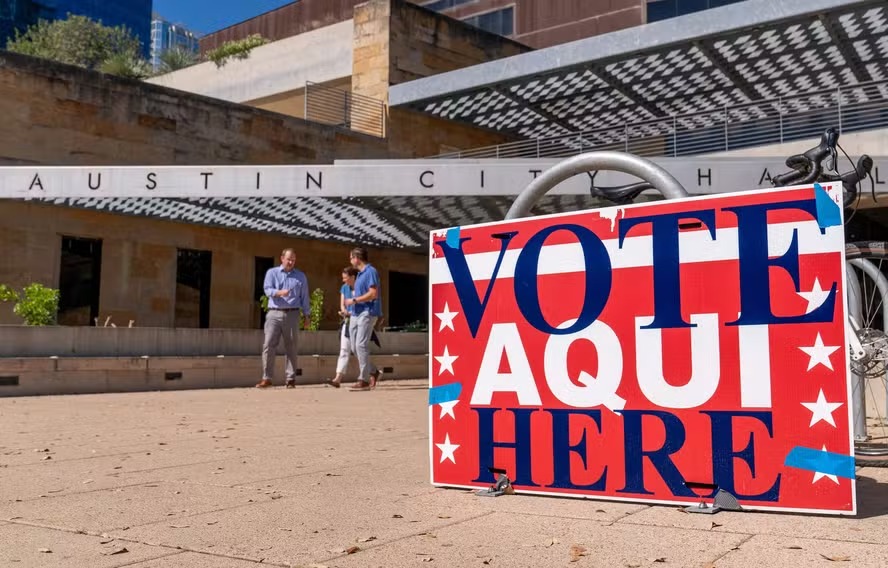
(621, 195)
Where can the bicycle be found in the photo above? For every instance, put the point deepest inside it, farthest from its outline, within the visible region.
(868, 344)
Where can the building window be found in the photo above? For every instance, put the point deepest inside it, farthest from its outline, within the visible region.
(79, 277)
(262, 265)
(441, 5)
(500, 22)
(658, 10)
(408, 299)
(193, 271)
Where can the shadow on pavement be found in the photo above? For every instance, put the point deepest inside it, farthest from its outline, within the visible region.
(872, 497)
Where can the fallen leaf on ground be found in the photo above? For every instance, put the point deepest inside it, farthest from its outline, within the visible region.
(113, 551)
(577, 552)
(837, 558)
(488, 561)
(43, 450)
(658, 560)
(352, 549)
(443, 516)
(212, 522)
(428, 559)
(44, 550)
(367, 539)
(714, 524)
(47, 458)
(55, 490)
(600, 511)
(397, 516)
(283, 529)
(794, 547)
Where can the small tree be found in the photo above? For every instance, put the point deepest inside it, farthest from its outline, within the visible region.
(77, 40)
(36, 304)
(175, 59)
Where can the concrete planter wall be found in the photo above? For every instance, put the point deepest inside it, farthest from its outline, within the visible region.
(60, 341)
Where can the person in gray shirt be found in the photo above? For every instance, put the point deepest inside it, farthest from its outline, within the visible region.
(287, 291)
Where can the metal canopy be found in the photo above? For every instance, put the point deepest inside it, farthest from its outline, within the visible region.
(738, 58)
(390, 222)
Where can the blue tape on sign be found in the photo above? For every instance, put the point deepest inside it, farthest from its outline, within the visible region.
(828, 213)
(453, 238)
(444, 393)
(821, 462)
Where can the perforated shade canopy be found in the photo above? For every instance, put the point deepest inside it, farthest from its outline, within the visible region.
(737, 59)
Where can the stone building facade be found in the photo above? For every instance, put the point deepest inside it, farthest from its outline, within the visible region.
(193, 263)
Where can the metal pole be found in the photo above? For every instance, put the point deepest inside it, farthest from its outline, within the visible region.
(592, 161)
(674, 136)
(780, 113)
(858, 383)
(839, 100)
(726, 127)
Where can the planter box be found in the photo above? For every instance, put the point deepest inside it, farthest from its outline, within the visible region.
(61, 341)
(84, 375)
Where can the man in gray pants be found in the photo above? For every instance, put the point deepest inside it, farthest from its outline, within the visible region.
(287, 291)
(366, 309)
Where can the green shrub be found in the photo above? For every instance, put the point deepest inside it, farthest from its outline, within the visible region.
(235, 49)
(316, 302)
(36, 304)
(317, 309)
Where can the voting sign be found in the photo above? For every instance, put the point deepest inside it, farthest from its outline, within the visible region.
(640, 353)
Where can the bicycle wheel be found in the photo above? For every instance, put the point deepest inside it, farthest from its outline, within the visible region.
(867, 263)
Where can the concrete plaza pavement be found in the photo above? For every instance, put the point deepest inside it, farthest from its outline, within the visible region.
(315, 476)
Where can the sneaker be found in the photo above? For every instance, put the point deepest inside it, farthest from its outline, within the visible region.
(291, 383)
(263, 384)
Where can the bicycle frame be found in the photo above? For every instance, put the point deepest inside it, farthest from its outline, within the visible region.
(670, 188)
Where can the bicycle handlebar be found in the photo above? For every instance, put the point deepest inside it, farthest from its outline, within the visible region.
(807, 168)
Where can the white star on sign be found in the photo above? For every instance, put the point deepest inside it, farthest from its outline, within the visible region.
(818, 476)
(446, 318)
(815, 297)
(819, 353)
(446, 360)
(447, 408)
(447, 450)
(822, 410)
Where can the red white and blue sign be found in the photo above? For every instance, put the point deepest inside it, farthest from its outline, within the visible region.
(625, 353)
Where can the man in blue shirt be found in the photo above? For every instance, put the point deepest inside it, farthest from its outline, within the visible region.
(287, 291)
(366, 307)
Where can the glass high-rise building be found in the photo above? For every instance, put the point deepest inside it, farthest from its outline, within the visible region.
(166, 35)
(134, 14)
(18, 15)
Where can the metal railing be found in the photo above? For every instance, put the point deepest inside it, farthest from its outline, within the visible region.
(338, 107)
(773, 121)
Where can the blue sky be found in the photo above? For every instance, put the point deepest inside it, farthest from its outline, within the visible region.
(205, 16)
